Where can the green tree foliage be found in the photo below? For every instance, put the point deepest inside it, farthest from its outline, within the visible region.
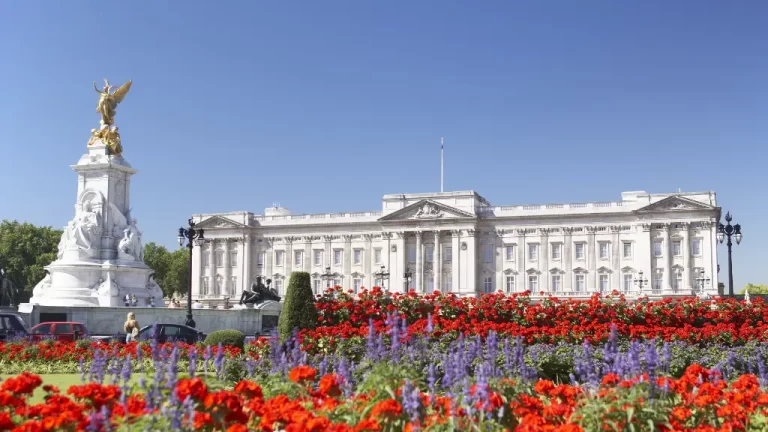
(25, 250)
(171, 268)
(299, 310)
(755, 289)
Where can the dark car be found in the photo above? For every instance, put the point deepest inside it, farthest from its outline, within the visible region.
(12, 326)
(62, 331)
(171, 333)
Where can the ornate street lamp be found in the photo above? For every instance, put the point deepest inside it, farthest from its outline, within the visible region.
(327, 277)
(641, 281)
(701, 281)
(407, 276)
(729, 231)
(382, 275)
(190, 235)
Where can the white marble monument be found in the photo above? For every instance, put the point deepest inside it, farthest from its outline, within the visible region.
(101, 256)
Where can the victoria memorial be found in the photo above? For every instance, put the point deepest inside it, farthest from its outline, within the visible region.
(642, 244)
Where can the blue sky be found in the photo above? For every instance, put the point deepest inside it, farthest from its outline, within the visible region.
(326, 106)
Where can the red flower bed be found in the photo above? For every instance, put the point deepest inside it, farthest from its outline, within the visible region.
(342, 315)
(698, 401)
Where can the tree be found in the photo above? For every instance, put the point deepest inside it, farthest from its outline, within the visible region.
(755, 289)
(299, 310)
(25, 250)
(171, 268)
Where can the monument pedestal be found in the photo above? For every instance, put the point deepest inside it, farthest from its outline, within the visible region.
(101, 256)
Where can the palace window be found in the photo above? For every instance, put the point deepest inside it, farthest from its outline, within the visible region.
(206, 259)
(533, 252)
(488, 254)
(317, 257)
(556, 250)
(217, 285)
(627, 250)
(603, 283)
(658, 248)
(578, 251)
(533, 284)
(219, 257)
(430, 252)
(677, 248)
(279, 287)
(357, 283)
(317, 286)
(377, 256)
(555, 283)
(696, 247)
(206, 286)
(233, 258)
(357, 256)
(603, 250)
(412, 253)
(298, 258)
(510, 284)
(448, 283)
(579, 283)
(488, 284)
(509, 253)
(260, 259)
(430, 284)
(337, 255)
(336, 282)
(232, 289)
(279, 258)
(678, 282)
(627, 282)
(658, 279)
(448, 252)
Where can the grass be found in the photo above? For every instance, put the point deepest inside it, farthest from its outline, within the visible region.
(65, 381)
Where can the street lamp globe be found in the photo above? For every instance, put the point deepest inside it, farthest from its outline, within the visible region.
(181, 237)
(737, 230)
(200, 239)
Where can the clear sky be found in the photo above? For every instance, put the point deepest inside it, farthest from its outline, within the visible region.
(326, 106)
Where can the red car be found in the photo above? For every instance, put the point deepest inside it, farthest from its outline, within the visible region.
(63, 331)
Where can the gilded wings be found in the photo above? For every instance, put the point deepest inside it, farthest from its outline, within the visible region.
(121, 91)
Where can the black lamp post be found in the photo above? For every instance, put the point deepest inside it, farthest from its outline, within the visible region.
(729, 231)
(641, 281)
(382, 275)
(407, 276)
(327, 277)
(190, 235)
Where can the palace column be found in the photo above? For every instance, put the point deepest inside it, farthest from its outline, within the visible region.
(347, 261)
(438, 263)
(521, 280)
(591, 261)
(499, 255)
(367, 259)
(247, 253)
(402, 262)
(685, 250)
(616, 251)
(667, 251)
(419, 264)
(471, 267)
(269, 255)
(567, 257)
(544, 285)
(211, 268)
(306, 261)
(642, 253)
(288, 260)
(455, 260)
(226, 285)
(388, 261)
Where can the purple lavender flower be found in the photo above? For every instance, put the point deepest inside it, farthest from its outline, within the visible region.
(411, 400)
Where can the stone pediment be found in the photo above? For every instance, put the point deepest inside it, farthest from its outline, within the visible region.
(675, 203)
(219, 222)
(427, 210)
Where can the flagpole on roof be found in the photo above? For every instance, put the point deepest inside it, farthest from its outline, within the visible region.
(441, 164)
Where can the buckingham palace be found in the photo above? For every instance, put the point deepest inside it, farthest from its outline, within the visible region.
(642, 244)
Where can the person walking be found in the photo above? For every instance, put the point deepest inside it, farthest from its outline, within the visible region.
(131, 328)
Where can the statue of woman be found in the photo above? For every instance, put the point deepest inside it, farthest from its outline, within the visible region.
(108, 101)
(130, 245)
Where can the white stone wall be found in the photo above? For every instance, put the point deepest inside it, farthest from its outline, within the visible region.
(410, 226)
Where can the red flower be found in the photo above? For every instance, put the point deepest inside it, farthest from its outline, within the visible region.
(26, 383)
(388, 409)
(249, 390)
(329, 385)
(302, 373)
(192, 387)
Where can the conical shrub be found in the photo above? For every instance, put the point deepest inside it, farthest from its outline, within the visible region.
(299, 310)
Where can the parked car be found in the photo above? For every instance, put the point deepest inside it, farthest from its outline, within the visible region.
(171, 333)
(12, 326)
(63, 331)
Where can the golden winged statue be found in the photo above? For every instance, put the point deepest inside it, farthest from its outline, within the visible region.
(108, 101)
(107, 105)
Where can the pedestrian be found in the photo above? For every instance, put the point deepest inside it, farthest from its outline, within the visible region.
(131, 328)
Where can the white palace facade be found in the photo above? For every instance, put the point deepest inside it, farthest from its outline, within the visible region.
(458, 242)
